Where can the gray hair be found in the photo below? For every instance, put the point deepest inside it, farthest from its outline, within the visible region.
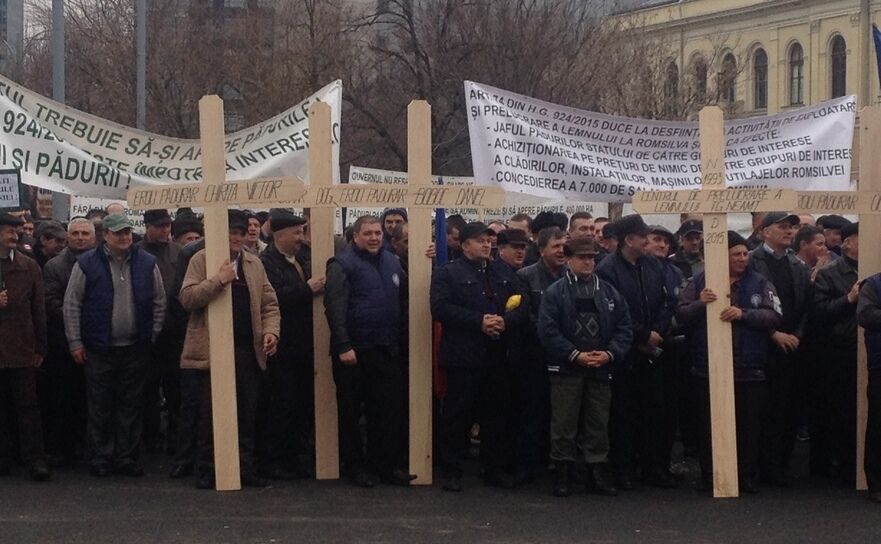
(81, 220)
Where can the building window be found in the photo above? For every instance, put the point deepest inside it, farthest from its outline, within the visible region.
(760, 79)
(796, 75)
(699, 71)
(671, 88)
(728, 78)
(839, 67)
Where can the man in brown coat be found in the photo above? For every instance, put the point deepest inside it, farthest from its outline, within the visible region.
(22, 348)
(256, 325)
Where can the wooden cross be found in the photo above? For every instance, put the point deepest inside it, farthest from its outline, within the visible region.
(215, 195)
(420, 197)
(866, 202)
(715, 202)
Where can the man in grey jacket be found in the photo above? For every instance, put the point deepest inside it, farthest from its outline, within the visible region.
(113, 310)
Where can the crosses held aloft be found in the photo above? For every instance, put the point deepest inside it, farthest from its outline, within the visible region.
(322, 196)
(420, 197)
(215, 195)
(715, 201)
(866, 202)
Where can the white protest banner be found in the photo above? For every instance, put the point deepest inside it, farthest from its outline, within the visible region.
(10, 189)
(530, 146)
(65, 150)
(514, 202)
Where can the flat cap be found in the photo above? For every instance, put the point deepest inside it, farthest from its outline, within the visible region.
(581, 246)
(10, 220)
(282, 219)
(51, 229)
(691, 226)
(512, 237)
(663, 231)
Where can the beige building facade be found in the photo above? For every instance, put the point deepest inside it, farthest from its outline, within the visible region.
(777, 54)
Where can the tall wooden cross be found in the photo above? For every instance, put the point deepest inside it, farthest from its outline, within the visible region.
(420, 197)
(866, 202)
(714, 201)
(322, 196)
(215, 195)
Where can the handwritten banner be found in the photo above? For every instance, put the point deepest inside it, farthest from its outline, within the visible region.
(514, 203)
(531, 146)
(714, 201)
(253, 193)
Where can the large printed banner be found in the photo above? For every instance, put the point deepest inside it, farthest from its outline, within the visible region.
(514, 202)
(535, 147)
(66, 150)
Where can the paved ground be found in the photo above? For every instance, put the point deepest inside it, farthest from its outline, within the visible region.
(76, 508)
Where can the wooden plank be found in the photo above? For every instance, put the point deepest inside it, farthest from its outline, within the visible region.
(869, 263)
(250, 193)
(821, 202)
(419, 279)
(393, 195)
(720, 200)
(221, 351)
(719, 339)
(327, 460)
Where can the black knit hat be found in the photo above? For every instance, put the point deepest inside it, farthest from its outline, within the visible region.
(735, 239)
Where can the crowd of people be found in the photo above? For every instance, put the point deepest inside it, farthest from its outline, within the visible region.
(572, 344)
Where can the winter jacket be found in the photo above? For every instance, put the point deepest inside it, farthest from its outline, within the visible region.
(557, 324)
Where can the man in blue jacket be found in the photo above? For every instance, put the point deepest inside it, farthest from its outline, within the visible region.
(114, 308)
(479, 305)
(364, 313)
(637, 415)
(754, 312)
(585, 327)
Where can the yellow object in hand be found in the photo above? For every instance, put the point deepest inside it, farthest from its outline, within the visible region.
(513, 303)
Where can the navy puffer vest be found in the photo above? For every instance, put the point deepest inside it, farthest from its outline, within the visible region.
(97, 313)
(374, 311)
(750, 343)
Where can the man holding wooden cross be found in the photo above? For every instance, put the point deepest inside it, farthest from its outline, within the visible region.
(754, 312)
(255, 332)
